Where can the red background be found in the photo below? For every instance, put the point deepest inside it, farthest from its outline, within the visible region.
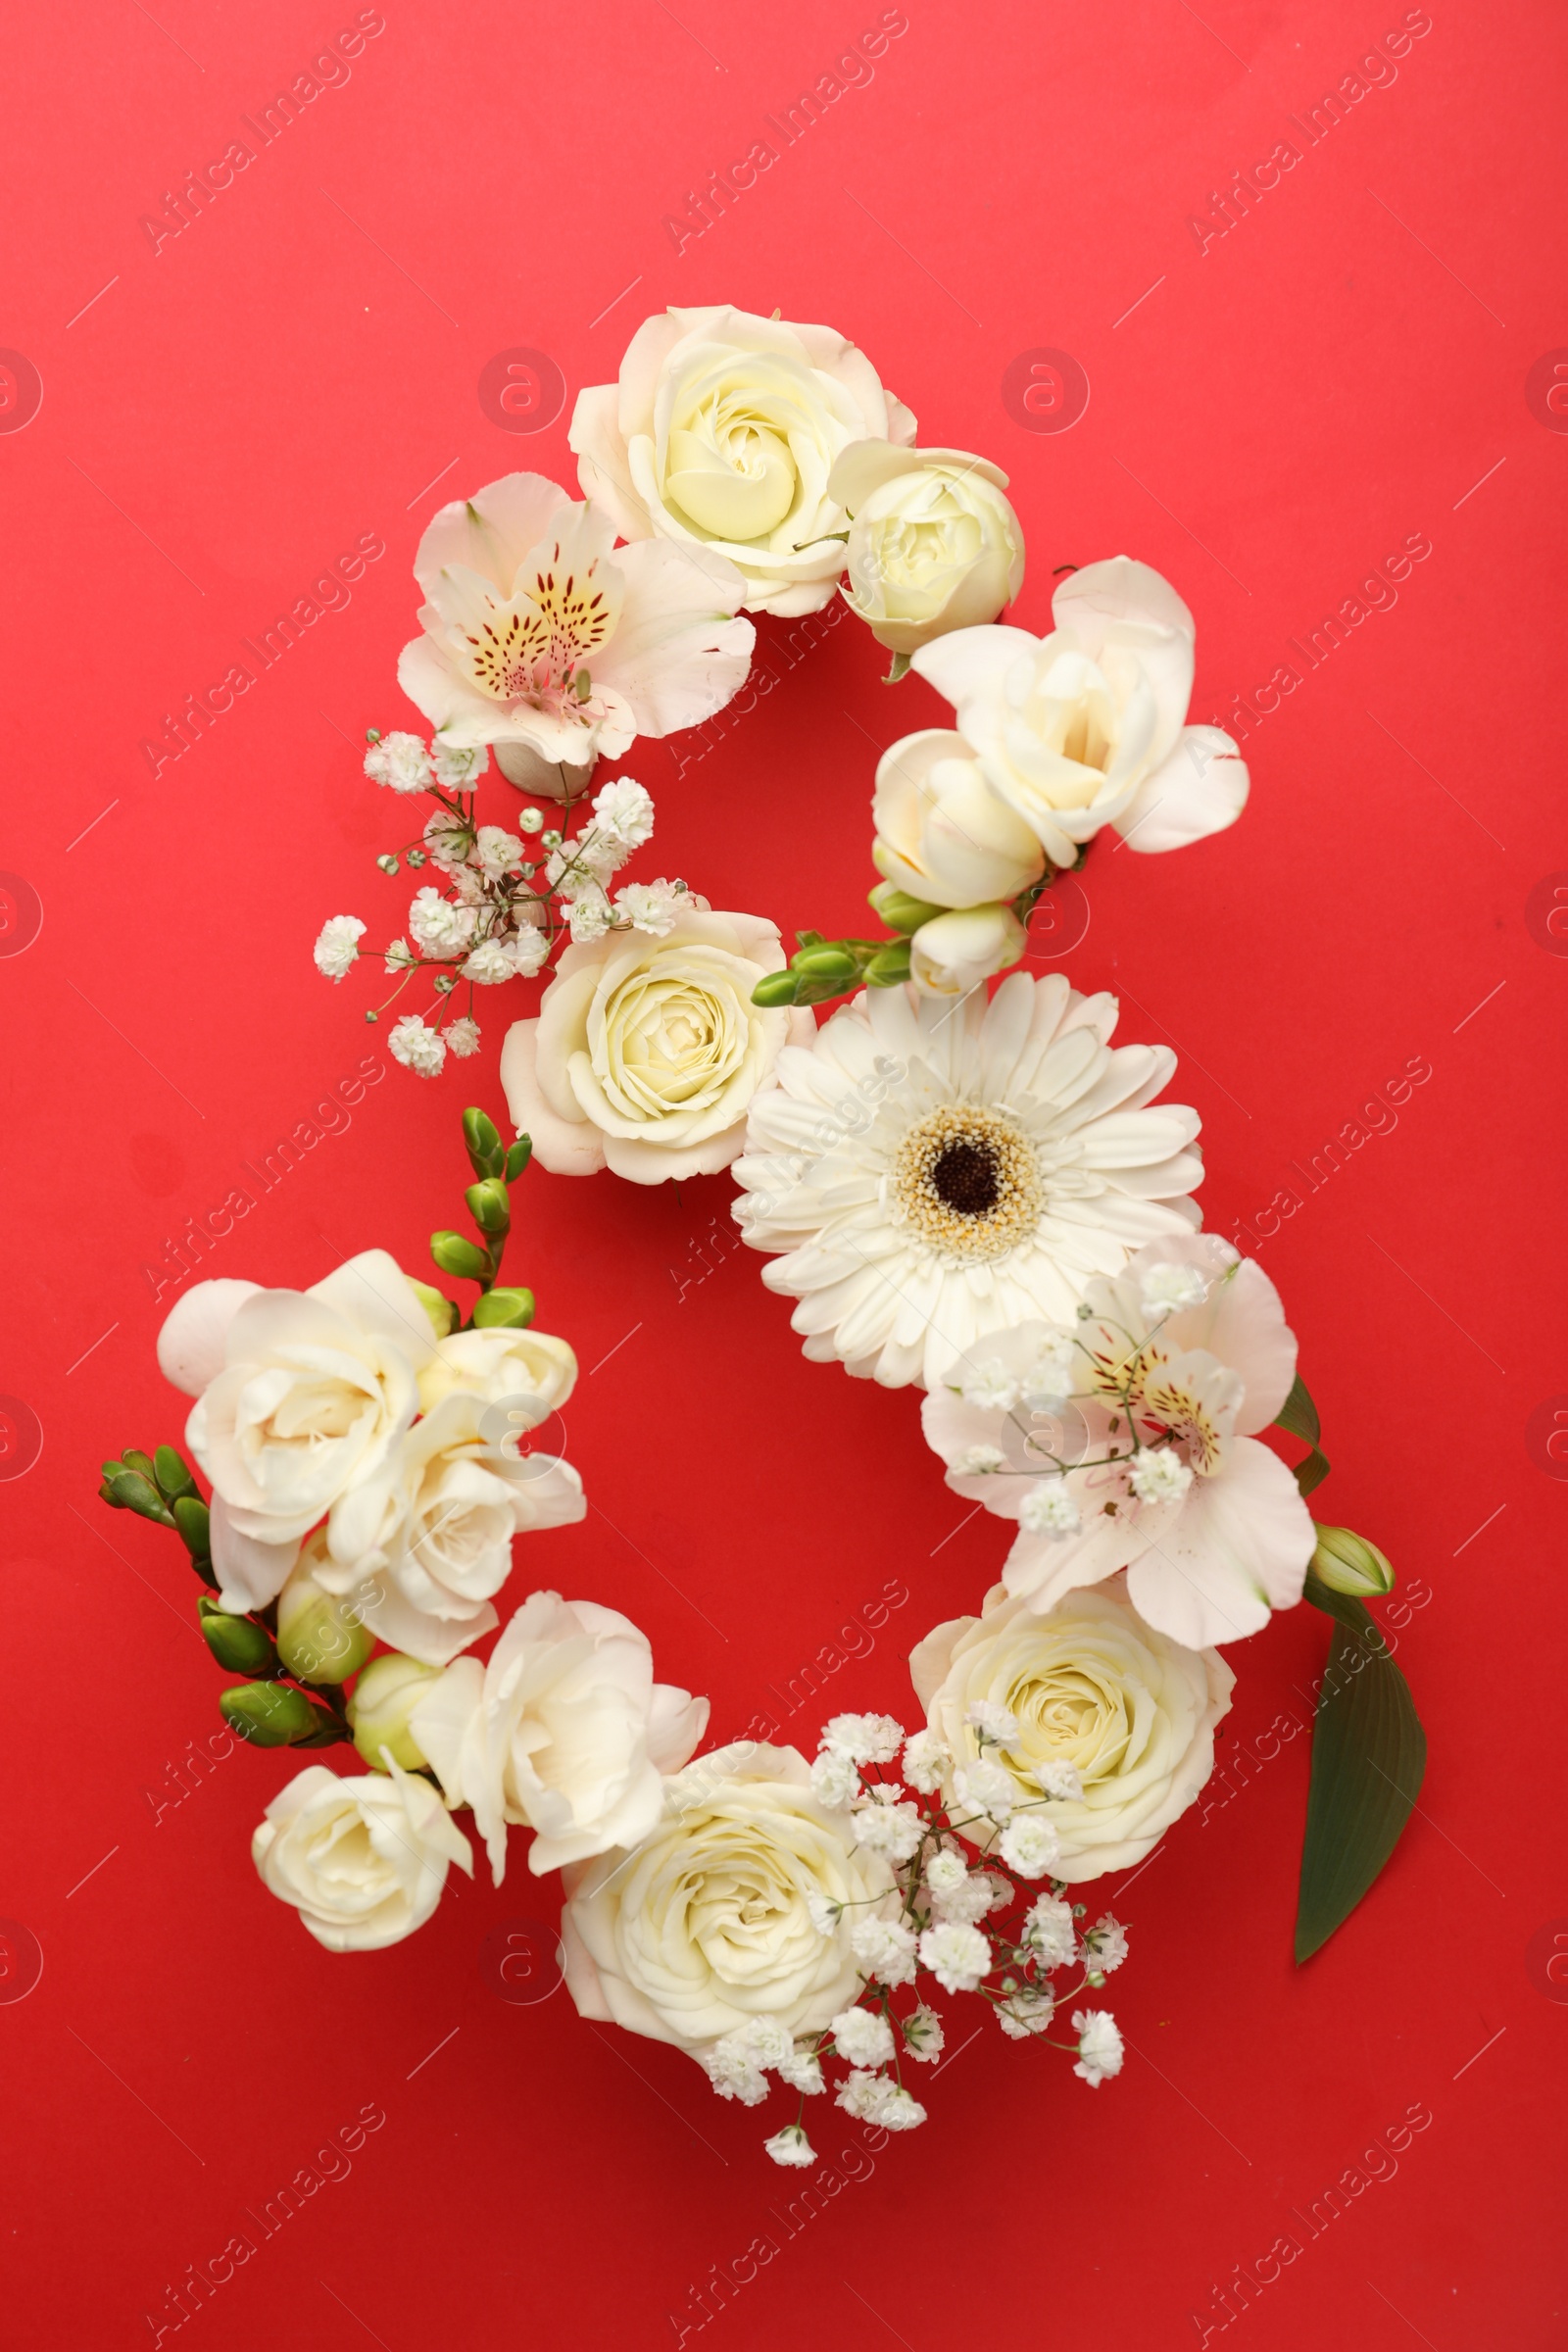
(1268, 417)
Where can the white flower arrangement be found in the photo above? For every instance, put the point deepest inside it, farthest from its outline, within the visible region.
(970, 1191)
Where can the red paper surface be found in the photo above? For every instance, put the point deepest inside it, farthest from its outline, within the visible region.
(1363, 361)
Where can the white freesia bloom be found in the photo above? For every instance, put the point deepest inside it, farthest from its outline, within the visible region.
(708, 1922)
(424, 1542)
(301, 1395)
(1208, 1522)
(1087, 727)
(503, 1366)
(934, 544)
(1091, 1686)
(563, 1731)
(956, 952)
(722, 434)
(362, 1860)
(647, 1052)
(942, 833)
(540, 634)
(1009, 1160)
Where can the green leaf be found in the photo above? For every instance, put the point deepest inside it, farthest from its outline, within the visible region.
(1298, 1415)
(1369, 1757)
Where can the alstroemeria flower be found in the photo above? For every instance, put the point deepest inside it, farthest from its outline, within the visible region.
(1087, 727)
(541, 634)
(1156, 1391)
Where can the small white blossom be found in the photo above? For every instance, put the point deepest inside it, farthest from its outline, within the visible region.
(1166, 1289)
(400, 957)
(1030, 1845)
(976, 1460)
(925, 1760)
(862, 2036)
(462, 1037)
(790, 2146)
(734, 2077)
(649, 906)
(891, 1830)
(448, 839)
(529, 820)
(1050, 1378)
(623, 813)
(337, 951)
(458, 766)
(985, 1786)
(946, 1871)
(1049, 1927)
(400, 761)
(922, 2034)
(964, 1900)
(862, 2093)
(898, 2109)
(529, 948)
(497, 851)
(1106, 1943)
(438, 927)
(589, 916)
(885, 1949)
(1050, 1510)
(868, 1739)
(1100, 2050)
(825, 1913)
(490, 963)
(1060, 1781)
(997, 1724)
(801, 2069)
(1025, 2011)
(990, 1385)
(417, 1048)
(957, 1956)
(1159, 1474)
(835, 1781)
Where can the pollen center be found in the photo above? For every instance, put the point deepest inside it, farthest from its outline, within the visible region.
(968, 1182)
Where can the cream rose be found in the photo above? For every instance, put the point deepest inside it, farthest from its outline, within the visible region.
(300, 1395)
(1087, 727)
(933, 543)
(722, 432)
(422, 1545)
(942, 834)
(563, 1731)
(363, 1860)
(646, 1052)
(708, 1921)
(955, 952)
(1092, 1687)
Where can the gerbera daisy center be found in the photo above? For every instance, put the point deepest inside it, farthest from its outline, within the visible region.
(968, 1182)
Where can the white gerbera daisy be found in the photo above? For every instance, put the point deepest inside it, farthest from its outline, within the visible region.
(932, 1173)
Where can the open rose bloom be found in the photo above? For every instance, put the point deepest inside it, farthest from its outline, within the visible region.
(543, 638)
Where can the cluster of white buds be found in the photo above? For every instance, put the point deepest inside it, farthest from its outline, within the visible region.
(500, 902)
(956, 1914)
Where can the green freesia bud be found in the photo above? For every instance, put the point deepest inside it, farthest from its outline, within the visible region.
(142, 1463)
(889, 965)
(827, 963)
(488, 1205)
(504, 1309)
(443, 1314)
(1348, 1563)
(318, 1638)
(172, 1476)
(776, 988)
(268, 1714)
(518, 1157)
(238, 1643)
(131, 1491)
(454, 1256)
(482, 1140)
(193, 1520)
(897, 910)
(384, 1696)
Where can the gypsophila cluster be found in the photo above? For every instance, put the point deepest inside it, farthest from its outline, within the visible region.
(499, 902)
(961, 1914)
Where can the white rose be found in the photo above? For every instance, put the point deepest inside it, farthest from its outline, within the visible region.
(563, 1731)
(646, 1052)
(933, 546)
(708, 1924)
(1086, 727)
(722, 432)
(1090, 1686)
(942, 834)
(298, 1395)
(422, 1545)
(362, 1861)
(955, 952)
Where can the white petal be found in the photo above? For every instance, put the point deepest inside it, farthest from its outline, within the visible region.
(1199, 789)
(968, 663)
(190, 1344)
